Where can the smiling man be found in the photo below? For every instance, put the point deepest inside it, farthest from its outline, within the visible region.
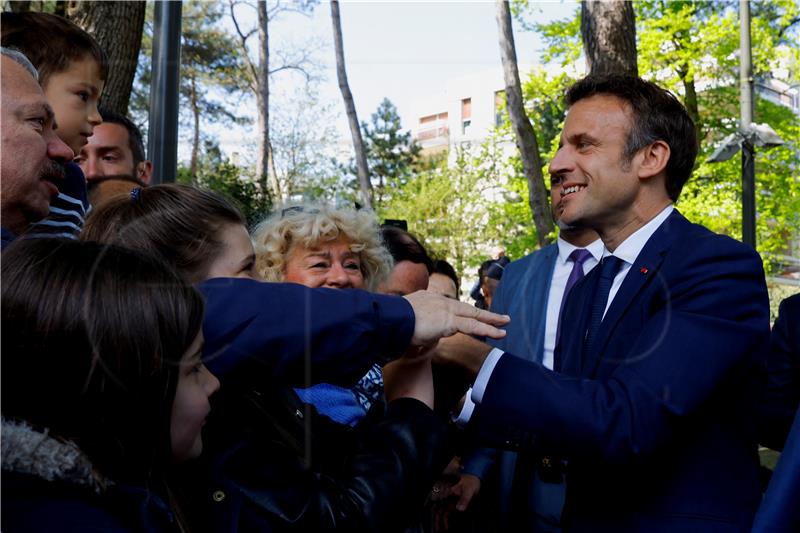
(32, 154)
(650, 402)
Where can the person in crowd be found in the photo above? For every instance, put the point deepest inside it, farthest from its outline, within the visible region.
(103, 388)
(533, 291)
(477, 292)
(782, 396)
(320, 246)
(258, 471)
(412, 265)
(32, 154)
(492, 271)
(115, 148)
(656, 376)
(72, 70)
(443, 280)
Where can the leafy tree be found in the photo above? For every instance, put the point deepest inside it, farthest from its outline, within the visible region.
(216, 172)
(210, 68)
(455, 208)
(257, 73)
(392, 154)
(209, 60)
(524, 134)
(703, 72)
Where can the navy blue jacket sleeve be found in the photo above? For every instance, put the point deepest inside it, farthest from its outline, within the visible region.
(291, 333)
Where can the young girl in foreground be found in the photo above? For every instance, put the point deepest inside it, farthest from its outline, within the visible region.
(103, 390)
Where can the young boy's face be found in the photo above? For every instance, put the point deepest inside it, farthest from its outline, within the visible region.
(74, 93)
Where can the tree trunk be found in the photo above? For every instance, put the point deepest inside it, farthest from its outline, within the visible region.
(265, 168)
(523, 130)
(347, 96)
(117, 26)
(690, 99)
(608, 28)
(196, 132)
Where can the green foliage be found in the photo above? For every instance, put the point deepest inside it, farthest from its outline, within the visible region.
(459, 210)
(216, 172)
(691, 47)
(392, 154)
(210, 67)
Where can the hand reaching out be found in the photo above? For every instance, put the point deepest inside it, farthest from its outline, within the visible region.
(437, 317)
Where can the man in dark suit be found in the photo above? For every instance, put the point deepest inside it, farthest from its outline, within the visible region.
(660, 357)
(530, 493)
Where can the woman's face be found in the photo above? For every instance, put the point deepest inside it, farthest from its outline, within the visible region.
(329, 264)
(190, 407)
(237, 258)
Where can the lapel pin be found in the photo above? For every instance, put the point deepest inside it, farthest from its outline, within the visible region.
(643, 270)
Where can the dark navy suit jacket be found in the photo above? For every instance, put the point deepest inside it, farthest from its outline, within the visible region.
(657, 424)
(296, 336)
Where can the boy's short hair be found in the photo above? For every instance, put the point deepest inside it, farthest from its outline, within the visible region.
(51, 42)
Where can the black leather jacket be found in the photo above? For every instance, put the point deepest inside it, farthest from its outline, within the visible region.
(271, 463)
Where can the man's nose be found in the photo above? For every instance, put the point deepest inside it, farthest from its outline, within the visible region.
(561, 162)
(57, 150)
(89, 167)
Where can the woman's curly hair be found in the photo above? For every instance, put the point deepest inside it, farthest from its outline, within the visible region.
(309, 225)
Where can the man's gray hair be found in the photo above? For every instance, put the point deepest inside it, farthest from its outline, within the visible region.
(22, 59)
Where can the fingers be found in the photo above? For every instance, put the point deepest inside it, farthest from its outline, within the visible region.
(473, 327)
(465, 310)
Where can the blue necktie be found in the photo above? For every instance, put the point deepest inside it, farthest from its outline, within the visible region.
(578, 257)
(609, 267)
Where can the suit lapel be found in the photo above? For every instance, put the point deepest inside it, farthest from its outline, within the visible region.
(644, 268)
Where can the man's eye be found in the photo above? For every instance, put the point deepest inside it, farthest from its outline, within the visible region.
(109, 158)
(38, 122)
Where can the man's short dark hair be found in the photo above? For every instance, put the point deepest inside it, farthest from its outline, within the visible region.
(657, 116)
(403, 246)
(440, 266)
(51, 42)
(135, 141)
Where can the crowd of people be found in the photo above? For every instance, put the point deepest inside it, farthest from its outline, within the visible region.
(165, 368)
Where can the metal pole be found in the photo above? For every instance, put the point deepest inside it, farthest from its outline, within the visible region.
(162, 139)
(746, 106)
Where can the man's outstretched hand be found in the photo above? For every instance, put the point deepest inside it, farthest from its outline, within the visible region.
(437, 317)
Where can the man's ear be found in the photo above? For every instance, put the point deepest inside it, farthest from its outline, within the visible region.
(654, 158)
(144, 171)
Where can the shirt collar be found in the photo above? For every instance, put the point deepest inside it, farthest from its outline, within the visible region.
(564, 249)
(630, 248)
